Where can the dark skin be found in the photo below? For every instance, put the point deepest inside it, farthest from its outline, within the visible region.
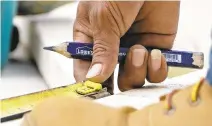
(135, 25)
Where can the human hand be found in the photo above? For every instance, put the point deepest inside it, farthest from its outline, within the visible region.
(135, 25)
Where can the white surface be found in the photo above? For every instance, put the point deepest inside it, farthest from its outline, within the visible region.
(150, 94)
(12, 123)
(20, 78)
(56, 69)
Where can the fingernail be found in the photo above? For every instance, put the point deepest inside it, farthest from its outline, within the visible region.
(138, 56)
(156, 59)
(94, 71)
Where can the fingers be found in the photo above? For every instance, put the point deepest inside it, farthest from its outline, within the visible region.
(81, 33)
(107, 28)
(157, 67)
(106, 45)
(133, 72)
(105, 58)
(140, 65)
(150, 30)
(93, 25)
(103, 23)
(148, 40)
(81, 66)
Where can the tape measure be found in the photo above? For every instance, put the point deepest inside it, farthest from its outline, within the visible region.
(16, 107)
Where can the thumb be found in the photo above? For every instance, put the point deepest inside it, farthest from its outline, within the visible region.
(109, 21)
(105, 58)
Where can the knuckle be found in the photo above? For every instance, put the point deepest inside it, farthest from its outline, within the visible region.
(156, 79)
(169, 42)
(128, 82)
(164, 41)
(124, 88)
(138, 46)
(103, 49)
(129, 87)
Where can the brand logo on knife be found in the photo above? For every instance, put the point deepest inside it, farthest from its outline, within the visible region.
(84, 50)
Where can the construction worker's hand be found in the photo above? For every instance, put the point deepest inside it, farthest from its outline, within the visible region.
(135, 25)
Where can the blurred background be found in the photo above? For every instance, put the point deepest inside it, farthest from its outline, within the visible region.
(28, 26)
